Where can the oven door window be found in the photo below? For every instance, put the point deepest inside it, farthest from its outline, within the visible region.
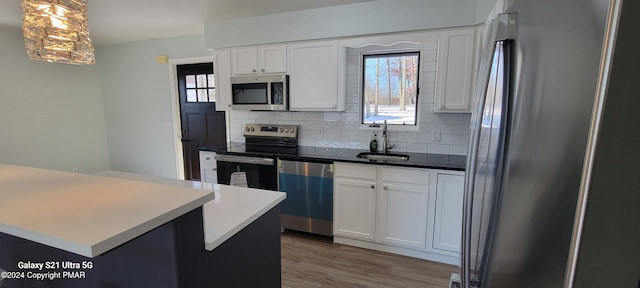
(250, 93)
(258, 176)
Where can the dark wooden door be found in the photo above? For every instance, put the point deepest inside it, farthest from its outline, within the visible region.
(201, 124)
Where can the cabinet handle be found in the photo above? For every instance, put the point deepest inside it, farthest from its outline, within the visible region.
(262, 69)
(207, 158)
(254, 70)
(384, 187)
(373, 186)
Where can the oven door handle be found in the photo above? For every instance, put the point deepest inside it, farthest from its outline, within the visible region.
(244, 159)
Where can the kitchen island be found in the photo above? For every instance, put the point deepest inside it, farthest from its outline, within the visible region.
(61, 229)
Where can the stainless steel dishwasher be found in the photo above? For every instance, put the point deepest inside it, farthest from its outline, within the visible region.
(309, 203)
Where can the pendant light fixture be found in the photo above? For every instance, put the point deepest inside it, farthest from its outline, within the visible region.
(57, 31)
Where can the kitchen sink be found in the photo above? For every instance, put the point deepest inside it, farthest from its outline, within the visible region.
(383, 156)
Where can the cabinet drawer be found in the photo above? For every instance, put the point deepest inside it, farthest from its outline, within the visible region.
(207, 158)
(355, 171)
(406, 176)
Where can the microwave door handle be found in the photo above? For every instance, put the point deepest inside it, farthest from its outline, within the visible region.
(269, 100)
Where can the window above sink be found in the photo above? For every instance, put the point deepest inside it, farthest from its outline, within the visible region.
(389, 89)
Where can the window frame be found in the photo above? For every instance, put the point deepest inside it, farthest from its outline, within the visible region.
(208, 88)
(361, 75)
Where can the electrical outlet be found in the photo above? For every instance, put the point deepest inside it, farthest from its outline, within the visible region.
(74, 170)
(436, 136)
(154, 170)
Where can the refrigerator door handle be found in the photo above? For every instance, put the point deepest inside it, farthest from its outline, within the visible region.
(503, 27)
(476, 120)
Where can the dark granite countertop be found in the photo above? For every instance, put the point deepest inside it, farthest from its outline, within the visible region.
(422, 160)
(305, 153)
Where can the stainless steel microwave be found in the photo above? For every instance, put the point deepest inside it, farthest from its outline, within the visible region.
(260, 93)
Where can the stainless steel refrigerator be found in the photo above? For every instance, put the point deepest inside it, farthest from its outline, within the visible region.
(552, 192)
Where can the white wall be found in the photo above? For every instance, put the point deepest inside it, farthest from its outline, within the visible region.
(137, 98)
(51, 115)
(382, 16)
(483, 9)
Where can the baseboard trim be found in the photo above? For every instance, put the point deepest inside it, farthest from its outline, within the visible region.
(425, 255)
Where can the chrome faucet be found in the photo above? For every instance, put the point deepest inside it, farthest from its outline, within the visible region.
(385, 139)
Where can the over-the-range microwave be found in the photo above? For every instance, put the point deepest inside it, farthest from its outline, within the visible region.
(260, 93)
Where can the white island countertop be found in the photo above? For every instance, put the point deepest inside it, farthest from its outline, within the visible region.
(87, 214)
(233, 208)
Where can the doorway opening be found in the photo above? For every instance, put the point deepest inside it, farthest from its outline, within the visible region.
(200, 124)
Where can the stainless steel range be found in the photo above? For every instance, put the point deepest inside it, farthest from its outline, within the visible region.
(255, 159)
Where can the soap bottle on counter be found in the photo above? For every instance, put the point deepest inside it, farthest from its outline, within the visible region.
(373, 144)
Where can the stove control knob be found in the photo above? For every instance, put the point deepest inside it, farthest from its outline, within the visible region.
(253, 129)
(247, 129)
(292, 130)
(280, 130)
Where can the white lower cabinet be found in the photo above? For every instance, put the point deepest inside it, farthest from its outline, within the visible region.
(208, 169)
(356, 208)
(403, 215)
(448, 217)
(376, 203)
(409, 211)
(403, 206)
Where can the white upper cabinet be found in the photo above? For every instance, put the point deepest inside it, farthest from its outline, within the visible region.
(272, 59)
(317, 76)
(455, 71)
(222, 72)
(259, 60)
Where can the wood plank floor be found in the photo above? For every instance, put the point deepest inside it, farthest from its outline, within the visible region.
(315, 261)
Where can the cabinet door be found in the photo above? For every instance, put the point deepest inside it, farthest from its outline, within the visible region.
(455, 70)
(222, 75)
(403, 215)
(272, 59)
(244, 60)
(354, 207)
(208, 169)
(314, 76)
(448, 217)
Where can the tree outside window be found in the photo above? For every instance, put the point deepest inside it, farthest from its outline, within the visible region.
(390, 88)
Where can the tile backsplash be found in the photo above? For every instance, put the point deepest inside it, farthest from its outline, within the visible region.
(342, 129)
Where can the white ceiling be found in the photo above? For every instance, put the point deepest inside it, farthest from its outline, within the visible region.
(118, 21)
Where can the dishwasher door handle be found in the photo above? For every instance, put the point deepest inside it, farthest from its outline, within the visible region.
(244, 159)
